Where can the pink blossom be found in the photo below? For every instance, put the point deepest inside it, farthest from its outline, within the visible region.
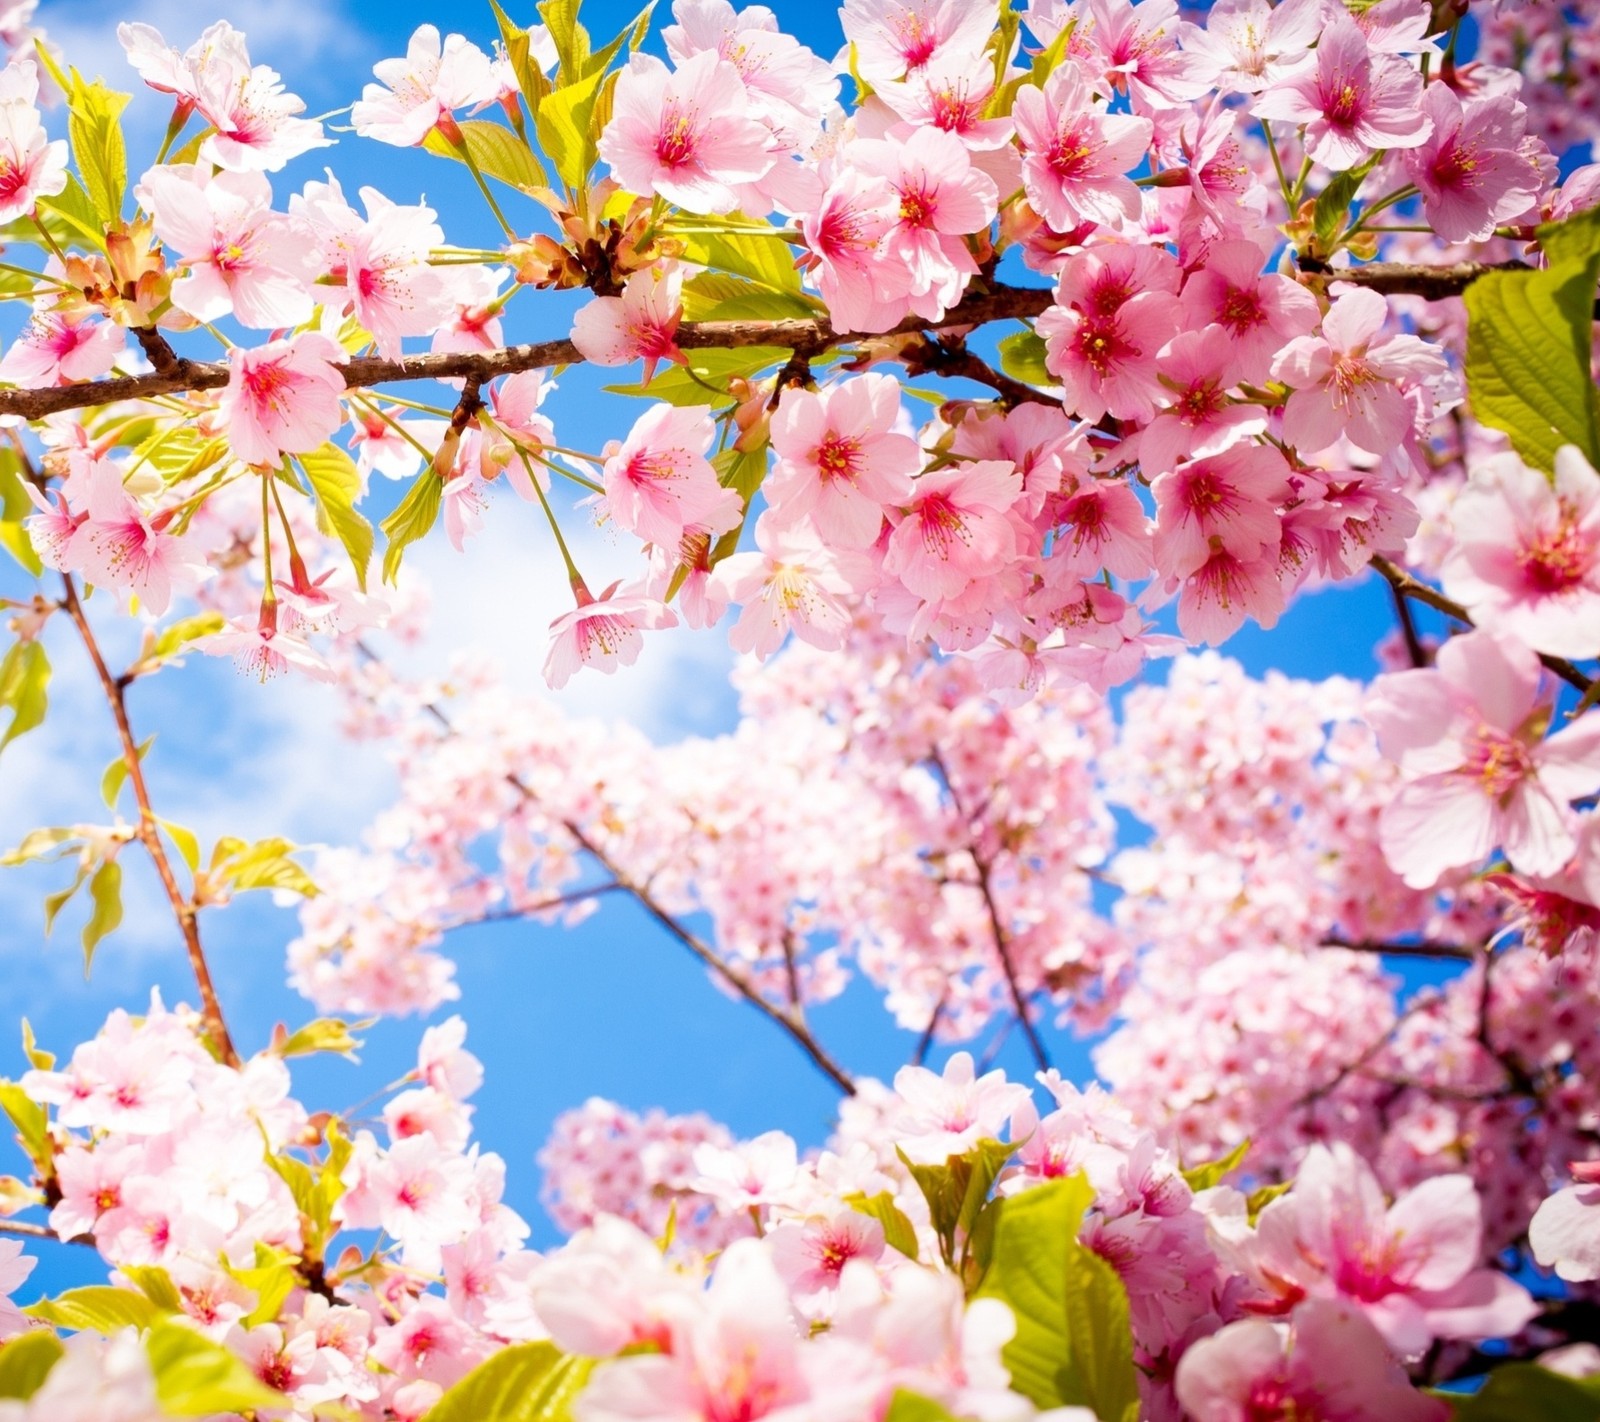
(793, 583)
(1526, 560)
(756, 1173)
(952, 92)
(895, 37)
(840, 461)
(445, 1064)
(207, 65)
(1410, 1267)
(1227, 587)
(1256, 44)
(255, 122)
(242, 257)
(1351, 101)
(1472, 171)
(658, 482)
(14, 1271)
(1350, 380)
(421, 91)
(283, 397)
(602, 633)
(1134, 47)
(1260, 313)
(864, 287)
(1478, 771)
(812, 1254)
(943, 199)
(1225, 501)
(1329, 1363)
(1200, 420)
(263, 650)
(121, 546)
(1565, 1232)
(1106, 362)
(688, 136)
(1103, 525)
(1076, 155)
(31, 165)
(955, 528)
(52, 350)
(641, 324)
(941, 1115)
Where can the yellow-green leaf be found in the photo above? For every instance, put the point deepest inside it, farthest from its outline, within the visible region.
(41, 1060)
(497, 151)
(528, 1382)
(100, 1308)
(721, 296)
(326, 1034)
(336, 482)
(765, 260)
(174, 637)
(196, 1377)
(186, 841)
(1214, 1172)
(116, 774)
(898, 1231)
(1022, 358)
(38, 843)
(24, 688)
(155, 1284)
(94, 124)
(569, 37)
(569, 132)
(519, 50)
(413, 518)
(33, 1126)
(105, 894)
(26, 1361)
(263, 865)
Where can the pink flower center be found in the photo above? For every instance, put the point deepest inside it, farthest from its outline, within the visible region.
(675, 144)
(917, 207)
(915, 40)
(1100, 345)
(13, 179)
(1069, 155)
(1498, 762)
(1241, 309)
(603, 635)
(1200, 401)
(943, 526)
(276, 1372)
(837, 455)
(1271, 1400)
(1342, 104)
(955, 110)
(1455, 167)
(1557, 558)
(269, 384)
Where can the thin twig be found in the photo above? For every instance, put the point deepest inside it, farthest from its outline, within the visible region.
(35, 1231)
(1418, 591)
(1428, 948)
(149, 830)
(925, 1041)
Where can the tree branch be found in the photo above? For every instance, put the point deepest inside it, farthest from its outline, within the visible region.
(149, 830)
(1403, 583)
(1431, 281)
(1426, 949)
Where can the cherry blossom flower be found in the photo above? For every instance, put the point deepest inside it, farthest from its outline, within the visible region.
(895, 37)
(31, 165)
(1478, 770)
(14, 1270)
(1526, 560)
(1225, 502)
(840, 461)
(812, 1254)
(53, 350)
(1201, 420)
(793, 583)
(1076, 155)
(1261, 313)
(641, 324)
(420, 92)
(1349, 381)
(283, 397)
(1565, 1232)
(946, 1114)
(1254, 43)
(208, 65)
(255, 121)
(955, 528)
(1351, 101)
(263, 650)
(1329, 1363)
(121, 546)
(1472, 171)
(658, 482)
(1106, 361)
(243, 258)
(602, 633)
(846, 240)
(688, 136)
(1134, 47)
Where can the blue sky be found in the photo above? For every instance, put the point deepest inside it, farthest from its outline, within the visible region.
(612, 1008)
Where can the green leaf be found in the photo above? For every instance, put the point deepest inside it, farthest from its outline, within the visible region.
(767, 261)
(326, 1034)
(631, 34)
(1574, 240)
(1203, 1177)
(15, 505)
(743, 471)
(957, 1191)
(1073, 1344)
(24, 688)
(116, 774)
(100, 1308)
(70, 217)
(1022, 358)
(263, 865)
(519, 50)
(94, 124)
(411, 520)
(271, 1279)
(528, 1382)
(1528, 351)
(336, 482)
(914, 1407)
(174, 637)
(1333, 205)
(33, 1126)
(178, 452)
(496, 149)
(41, 1060)
(54, 903)
(155, 1284)
(14, 539)
(569, 37)
(196, 1377)
(721, 296)
(26, 1361)
(898, 1231)
(569, 123)
(187, 844)
(38, 843)
(1522, 1392)
(688, 385)
(105, 893)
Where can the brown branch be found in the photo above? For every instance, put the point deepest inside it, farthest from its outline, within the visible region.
(149, 830)
(949, 356)
(1426, 949)
(1415, 650)
(790, 1022)
(925, 1041)
(804, 337)
(1431, 281)
(35, 1231)
(1402, 582)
